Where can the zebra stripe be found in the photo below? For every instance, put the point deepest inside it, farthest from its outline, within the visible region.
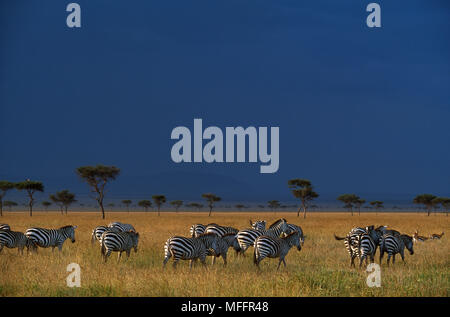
(98, 231)
(258, 224)
(220, 230)
(274, 247)
(197, 229)
(118, 242)
(122, 226)
(183, 248)
(4, 226)
(45, 238)
(247, 237)
(13, 239)
(223, 244)
(366, 248)
(393, 244)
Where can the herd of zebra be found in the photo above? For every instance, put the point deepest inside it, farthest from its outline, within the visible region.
(215, 240)
(363, 243)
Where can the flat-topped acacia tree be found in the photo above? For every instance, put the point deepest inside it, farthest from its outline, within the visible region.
(31, 187)
(145, 204)
(177, 204)
(273, 205)
(211, 199)
(46, 204)
(97, 177)
(64, 199)
(303, 190)
(127, 203)
(349, 200)
(159, 200)
(4, 187)
(378, 204)
(428, 200)
(10, 204)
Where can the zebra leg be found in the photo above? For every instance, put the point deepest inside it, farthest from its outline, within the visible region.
(213, 260)
(224, 257)
(361, 260)
(1, 247)
(107, 254)
(403, 257)
(393, 259)
(119, 256)
(168, 256)
(389, 257)
(128, 254)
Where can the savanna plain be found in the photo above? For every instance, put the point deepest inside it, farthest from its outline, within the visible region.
(321, 268)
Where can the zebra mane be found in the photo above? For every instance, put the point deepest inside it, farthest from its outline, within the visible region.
(209, 234)
(277, 222)
(228, 234)
(65, 227)
(291, 234)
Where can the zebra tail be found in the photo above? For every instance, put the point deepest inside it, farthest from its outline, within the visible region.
(103, 249)
(338, 238)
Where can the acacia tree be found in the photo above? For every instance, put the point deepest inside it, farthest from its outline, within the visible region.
(195, 205)
(64, 199)
(445, 202)
(97, 177)
(303, 190)
(377, 204)
(127, 203)
(145, 204)
(240, 206)
(427, 200)
(46, 204)
(31, 187)
(10, 204)
(273, 205)
(349, 200)
(358, 203)
(159, 200)
(177, 204)
(5, 186)
(211, 199)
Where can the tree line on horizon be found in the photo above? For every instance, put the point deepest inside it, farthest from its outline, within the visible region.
(97, 177)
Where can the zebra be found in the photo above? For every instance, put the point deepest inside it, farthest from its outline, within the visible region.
(98, 231)
(220, 230)
(393, 244)
(45, 238)
(275, 247)
(184, 248)
(118, 242)
(223, 244)
(258, 224)
(14, 239)
(293, 228)
(366, 247)
(351, 241)
(247, 237)
(124, 227)
(197, 229)
(4, 226)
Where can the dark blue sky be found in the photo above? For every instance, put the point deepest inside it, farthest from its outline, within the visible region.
(360, 110)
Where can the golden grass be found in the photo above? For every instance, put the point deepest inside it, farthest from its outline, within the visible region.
(320, 269)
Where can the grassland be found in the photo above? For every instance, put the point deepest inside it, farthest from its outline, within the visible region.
(321, 268)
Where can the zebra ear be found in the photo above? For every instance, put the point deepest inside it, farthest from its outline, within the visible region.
(75, 227)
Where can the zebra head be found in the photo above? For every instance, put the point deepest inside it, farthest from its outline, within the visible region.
(280, 226)
(294, 240)
(69, 232)
(135, 238)
(408, 241)
(258, 224)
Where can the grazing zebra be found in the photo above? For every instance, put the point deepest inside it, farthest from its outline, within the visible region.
(366, 248)
(258, 224)
(45, 238)
(197, 229)
(417, 238)
(274, 247)
(183, 248)
(393, 244)
(220, 230)
(124, 227)
(118, 242)
(223, 244)
(247, 237)
(13, 239)
(435, 236)
(4, 226)
(98, 231)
